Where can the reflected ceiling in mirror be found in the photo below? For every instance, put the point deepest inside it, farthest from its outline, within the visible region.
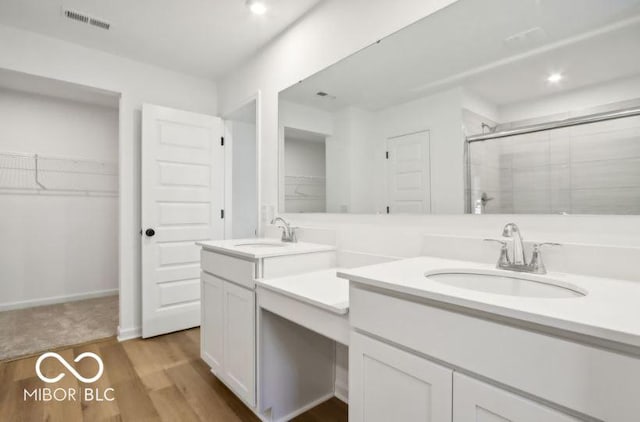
(390, 123)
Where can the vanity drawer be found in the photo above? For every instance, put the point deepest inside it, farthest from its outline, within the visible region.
(229, 268)
(593, 381)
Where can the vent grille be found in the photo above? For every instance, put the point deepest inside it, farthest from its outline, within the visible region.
(99, 23)
(86, 19)
(76, 16)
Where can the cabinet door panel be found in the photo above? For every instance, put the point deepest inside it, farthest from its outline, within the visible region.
(239, 341)
(390, 384)
(211, 331)
(476, 401)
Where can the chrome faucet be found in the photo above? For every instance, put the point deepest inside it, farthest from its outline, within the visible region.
(517, 261)
(512, 231)
(288, 232)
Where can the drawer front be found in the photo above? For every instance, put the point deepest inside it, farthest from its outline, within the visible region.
(229, 268)
(474, 400)
(592, 381)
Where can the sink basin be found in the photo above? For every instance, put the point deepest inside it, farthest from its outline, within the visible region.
(261, 244)
(506, 283)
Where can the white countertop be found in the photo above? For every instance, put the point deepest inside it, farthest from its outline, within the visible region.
(610, 311)
(234, 247)
(319, 288)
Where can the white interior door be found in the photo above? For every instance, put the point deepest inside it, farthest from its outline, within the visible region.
(408, 174)
(182, 199)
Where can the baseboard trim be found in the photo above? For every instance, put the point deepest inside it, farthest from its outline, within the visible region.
(129, 333)
(56, 299)
(341, 394)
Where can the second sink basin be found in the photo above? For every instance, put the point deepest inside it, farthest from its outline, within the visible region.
(506, 283)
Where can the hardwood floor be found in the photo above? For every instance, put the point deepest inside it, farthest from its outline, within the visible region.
(158, 379)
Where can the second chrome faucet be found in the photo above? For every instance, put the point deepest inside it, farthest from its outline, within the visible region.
(517, 260)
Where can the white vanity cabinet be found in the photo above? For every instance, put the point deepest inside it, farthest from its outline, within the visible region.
(475, 400)
(388, 384)
(228, 309)
(500, 372)
(228, 334)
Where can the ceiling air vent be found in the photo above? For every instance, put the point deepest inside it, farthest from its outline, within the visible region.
(86, 19)
(99, 23)
(76, 16)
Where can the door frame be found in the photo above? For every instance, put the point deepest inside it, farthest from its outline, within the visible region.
(387, 197)
(228, 162)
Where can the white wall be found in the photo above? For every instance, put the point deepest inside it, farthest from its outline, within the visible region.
(37, 124)
(61, 246)
(304, 158)
(138, 83)
(244, 196)
(357, 134)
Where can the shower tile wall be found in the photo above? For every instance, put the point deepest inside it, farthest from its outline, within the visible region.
(586, 169)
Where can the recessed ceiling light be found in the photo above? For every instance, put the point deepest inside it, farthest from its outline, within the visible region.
(554, 78)
(257, 7)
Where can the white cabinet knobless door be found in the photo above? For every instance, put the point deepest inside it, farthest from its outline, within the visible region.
(477, 401)
(182, 195)
(239, 341)
(212, 326)
(389, 384)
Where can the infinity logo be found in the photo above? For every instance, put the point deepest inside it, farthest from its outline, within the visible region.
(69, 367)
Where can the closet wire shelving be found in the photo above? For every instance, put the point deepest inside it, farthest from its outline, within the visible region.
(35, 174)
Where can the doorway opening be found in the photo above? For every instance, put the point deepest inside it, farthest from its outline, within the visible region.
(305, 171)
(242, 171)
(59, 224)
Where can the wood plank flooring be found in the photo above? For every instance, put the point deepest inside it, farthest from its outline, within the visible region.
(157, 379)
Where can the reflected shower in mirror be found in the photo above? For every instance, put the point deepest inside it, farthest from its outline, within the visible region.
(465, 111)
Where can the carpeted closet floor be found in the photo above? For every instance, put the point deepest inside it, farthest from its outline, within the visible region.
(32, 330)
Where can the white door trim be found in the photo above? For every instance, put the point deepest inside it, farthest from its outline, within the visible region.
(257, 97)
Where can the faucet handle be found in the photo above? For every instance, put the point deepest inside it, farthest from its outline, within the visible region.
(503, 260)
(536, 264)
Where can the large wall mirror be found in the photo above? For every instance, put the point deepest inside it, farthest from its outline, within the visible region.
(499, 106)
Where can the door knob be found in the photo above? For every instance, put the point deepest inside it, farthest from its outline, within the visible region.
(150, 232)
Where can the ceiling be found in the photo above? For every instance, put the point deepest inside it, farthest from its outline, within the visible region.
(500, 49)
(206, 38)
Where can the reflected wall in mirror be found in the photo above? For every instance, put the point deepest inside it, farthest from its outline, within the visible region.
(466, 111)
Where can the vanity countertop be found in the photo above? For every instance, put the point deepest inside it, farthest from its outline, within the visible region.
(610, 311)
(266, 248)
(323, 289)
